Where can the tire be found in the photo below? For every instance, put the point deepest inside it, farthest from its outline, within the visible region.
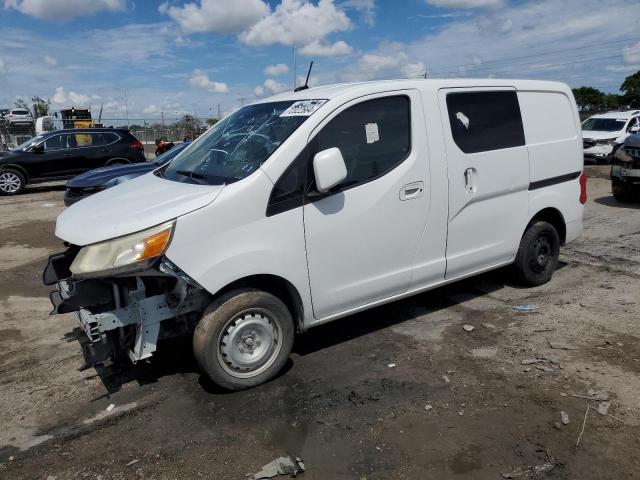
(12, 181)
(236, 326)
(537, 255)
(622, 193)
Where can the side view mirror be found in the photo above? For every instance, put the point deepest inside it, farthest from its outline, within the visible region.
(329, 169)
(37, 148)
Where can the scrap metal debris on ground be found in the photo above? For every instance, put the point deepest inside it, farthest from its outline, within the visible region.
(280, 466)
(524, 308)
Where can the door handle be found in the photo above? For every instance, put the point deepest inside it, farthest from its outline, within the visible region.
(412, 190)
(469, 184)
(68, 154)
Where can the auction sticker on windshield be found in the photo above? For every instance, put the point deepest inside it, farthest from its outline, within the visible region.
(303, 108)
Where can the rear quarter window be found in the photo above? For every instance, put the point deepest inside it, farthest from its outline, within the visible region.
(547, 117)
(485, 120)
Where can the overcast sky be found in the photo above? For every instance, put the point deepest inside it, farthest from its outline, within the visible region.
(197, 55)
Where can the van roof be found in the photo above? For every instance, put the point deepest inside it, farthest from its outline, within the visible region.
(331, 91)
(626, 114)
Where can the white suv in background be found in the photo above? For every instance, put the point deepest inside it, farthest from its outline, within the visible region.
(603, 134)
(19, 116)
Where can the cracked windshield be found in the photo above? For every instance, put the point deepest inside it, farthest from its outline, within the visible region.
(236, 146)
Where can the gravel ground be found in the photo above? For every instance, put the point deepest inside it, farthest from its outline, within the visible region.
(401, 391)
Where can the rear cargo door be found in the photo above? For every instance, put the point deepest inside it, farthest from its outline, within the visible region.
(488, 173)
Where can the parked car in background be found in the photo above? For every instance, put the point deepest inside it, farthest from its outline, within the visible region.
(313, 205)
(625, 171)
(63, 154)
(94, 181)
(19, 116)
(603, 134)
(4, 112)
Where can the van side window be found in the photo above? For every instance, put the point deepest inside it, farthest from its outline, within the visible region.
(484, 121)
(373, 136)
(288, 192)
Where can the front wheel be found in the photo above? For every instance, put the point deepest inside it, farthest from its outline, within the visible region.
(537, 255)
(244, 338)
(12, 181)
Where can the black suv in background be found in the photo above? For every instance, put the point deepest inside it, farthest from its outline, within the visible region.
(63, 154)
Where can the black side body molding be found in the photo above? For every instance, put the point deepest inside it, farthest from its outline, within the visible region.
(547, 182)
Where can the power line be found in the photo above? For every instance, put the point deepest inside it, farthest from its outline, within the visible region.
(595, 45)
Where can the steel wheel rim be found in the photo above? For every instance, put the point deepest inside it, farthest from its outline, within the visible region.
(541, 254)
(10, 182)
(249, 343)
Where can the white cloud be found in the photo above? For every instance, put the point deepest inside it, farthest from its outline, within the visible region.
(466, 3)
(3, 67)
(50, 61)
(297, 22)
(366, 8)
(63, 9)
(270, 87)
(69, 99)
(220, 16)
(414, 70)
(322, 49)
(151, 109)
(199, 78)
(632, 54)
(275, 70)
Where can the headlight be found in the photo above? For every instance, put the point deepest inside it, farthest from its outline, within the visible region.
(123, 254)
(607, 141)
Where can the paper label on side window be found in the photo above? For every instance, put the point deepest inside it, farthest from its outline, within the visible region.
(303, 108)
(371, 129)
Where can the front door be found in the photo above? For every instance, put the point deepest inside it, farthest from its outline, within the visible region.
(488, 169)
(362, 237)
(50, 161)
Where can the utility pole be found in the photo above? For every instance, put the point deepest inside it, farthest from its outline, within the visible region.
(294, 67)
(126, 108)
(219, 112)
(162, 117)
(241, 100)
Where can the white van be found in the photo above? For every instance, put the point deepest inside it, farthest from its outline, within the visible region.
(310, 206)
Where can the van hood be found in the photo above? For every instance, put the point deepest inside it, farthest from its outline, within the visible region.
(132, 206)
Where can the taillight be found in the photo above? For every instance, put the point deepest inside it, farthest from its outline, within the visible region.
(136, 144)
(583, 189)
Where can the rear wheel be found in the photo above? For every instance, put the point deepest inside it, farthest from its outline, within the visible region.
(244, 338)
(12, 181)
(537, 255)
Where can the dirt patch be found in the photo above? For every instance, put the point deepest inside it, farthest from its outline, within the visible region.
(34, 233)
(397, 392)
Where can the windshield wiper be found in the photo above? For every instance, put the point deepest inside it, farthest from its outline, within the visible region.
(193, 176)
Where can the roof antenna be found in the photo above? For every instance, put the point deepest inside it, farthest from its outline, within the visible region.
(306, 82)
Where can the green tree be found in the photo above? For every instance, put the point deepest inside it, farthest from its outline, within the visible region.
(631, 90)
(39, 106)
(612, 101)
(212, 121)
(588, 98)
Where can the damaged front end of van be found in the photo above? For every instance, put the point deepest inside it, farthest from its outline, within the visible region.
(126, 294)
